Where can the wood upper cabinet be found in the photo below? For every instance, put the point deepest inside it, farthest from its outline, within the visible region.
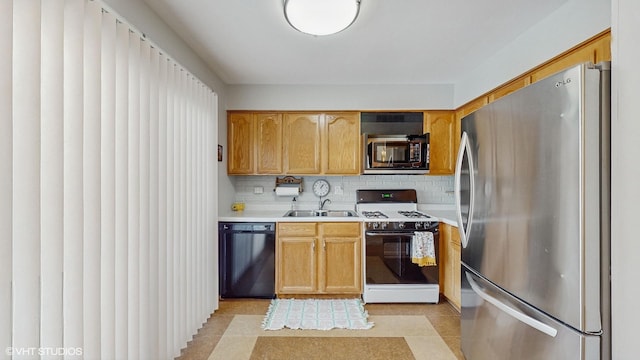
(240, 131)
(595, 50)
(510, 87)
(318, 258)
(451, 269)
(443, 139)
(341, 143)
(254, 143)
(327, 143)
(302, 141)
(581, 55)
(293, 143)
(268, 143)
(471, 106)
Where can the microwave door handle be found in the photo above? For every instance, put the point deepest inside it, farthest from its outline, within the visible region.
(465, 148)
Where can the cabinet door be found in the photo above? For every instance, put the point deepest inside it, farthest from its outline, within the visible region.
(451, 265)
(456, 271)
(340, 265)
(240, 143)
(441, 126)
(446, 283)
(302, 143)
(341, 152)
(296, 258)
(269, 143)
(296, 265)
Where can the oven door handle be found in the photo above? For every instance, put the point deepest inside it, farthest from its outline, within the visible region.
(372, 233)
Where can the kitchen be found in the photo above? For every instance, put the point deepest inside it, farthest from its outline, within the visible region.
(403, 290)
(514, 59)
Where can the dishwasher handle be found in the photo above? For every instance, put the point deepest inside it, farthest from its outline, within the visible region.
(244, 228)
(248, 232)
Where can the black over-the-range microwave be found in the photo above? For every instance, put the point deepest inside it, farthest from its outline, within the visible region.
(396, 154)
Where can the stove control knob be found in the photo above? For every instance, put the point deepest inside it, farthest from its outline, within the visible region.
(384, 225)
(418, 225)
(375, 225)
(400, 225)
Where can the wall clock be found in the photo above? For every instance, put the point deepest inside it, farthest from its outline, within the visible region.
(321, 188)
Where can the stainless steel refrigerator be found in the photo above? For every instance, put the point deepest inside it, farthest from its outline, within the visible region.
(532, 193)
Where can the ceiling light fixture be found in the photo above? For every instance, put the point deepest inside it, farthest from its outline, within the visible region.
(321, 17)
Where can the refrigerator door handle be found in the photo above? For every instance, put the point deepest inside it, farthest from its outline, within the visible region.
(542, 327)
(464, 148)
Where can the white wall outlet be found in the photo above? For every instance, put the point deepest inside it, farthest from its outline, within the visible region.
(258, 189)
(338, 190)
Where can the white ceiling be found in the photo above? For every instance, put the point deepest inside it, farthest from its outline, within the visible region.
(391, 42)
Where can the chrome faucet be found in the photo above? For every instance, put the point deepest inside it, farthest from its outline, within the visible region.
(323, 202)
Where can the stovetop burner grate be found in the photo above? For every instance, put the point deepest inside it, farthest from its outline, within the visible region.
(413, 214)
(374, 214)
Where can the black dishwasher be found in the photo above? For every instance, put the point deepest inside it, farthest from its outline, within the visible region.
(247, 260)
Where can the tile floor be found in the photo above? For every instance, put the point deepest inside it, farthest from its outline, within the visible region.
(406, 331)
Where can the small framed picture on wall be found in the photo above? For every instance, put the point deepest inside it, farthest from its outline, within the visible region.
(219, 152)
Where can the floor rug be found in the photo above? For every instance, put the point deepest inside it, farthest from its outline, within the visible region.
(316, 314)
(335, 348)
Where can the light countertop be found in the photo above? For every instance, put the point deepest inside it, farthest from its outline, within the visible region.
(444, 213)
(277, 216)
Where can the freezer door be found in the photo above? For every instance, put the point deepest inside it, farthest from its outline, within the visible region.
(495, 325)
(532, 164)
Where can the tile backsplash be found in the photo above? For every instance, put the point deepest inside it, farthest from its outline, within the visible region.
(430, 189)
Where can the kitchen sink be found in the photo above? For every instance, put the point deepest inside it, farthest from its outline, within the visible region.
(315, 213)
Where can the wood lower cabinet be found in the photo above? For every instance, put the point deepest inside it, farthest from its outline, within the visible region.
(296, 258)
(340, 258)
(318, 258)
(451, 271)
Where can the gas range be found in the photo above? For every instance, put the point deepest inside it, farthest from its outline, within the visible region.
(394, 231)
(392, 210)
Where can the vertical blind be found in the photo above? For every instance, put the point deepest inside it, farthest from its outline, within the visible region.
(107, 188)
